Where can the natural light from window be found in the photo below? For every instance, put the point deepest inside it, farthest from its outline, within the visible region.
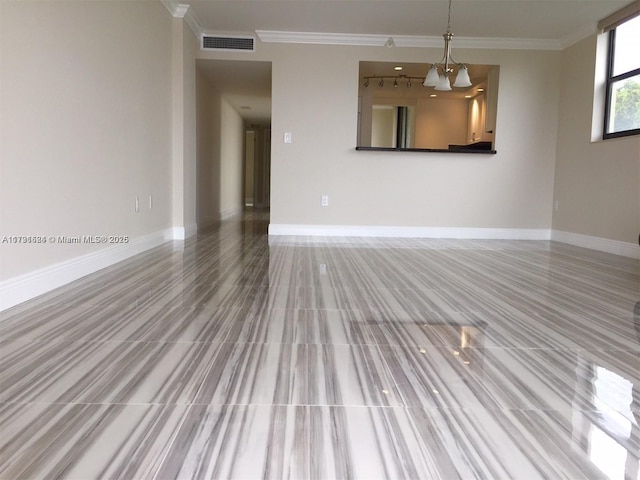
(624, 80)
(612, 394)
(626, 56)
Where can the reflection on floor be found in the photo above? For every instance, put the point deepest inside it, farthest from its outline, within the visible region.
(236, 356)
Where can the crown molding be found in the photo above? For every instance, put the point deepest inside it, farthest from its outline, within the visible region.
(175, 9)
(182, 10)
(578, 35)
(371, 40)
(273, 36)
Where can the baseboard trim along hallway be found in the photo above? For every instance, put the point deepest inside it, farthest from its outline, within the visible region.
(25, 287)
(616, 247)
(411, 232)
(30, 285)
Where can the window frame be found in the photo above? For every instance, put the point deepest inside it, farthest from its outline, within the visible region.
(610, 81)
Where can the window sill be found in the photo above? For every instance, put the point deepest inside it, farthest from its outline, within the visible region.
(461, 149)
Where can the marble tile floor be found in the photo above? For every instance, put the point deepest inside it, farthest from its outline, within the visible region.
(236, 356)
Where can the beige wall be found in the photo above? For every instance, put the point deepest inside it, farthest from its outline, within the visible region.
(597, 184)
(437, 123)
(250, 157)
(315, 96)
(190, 168)
(383, 126)
(232, 158)
(85, 103)
(512, 189)
(220, 155)
(183, 178)
(440, 123)
(208, 152)
(89, 123)
(262, 167)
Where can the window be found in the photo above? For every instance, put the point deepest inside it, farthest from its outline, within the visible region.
(622, 109)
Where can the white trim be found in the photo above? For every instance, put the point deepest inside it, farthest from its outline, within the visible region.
(182, 233)
(25, 287)
(182, 10)
(372, 40)
(193, 23)
(410, 232)
(578, 35)
(273, 36)
(615, 247)
(594, 243)
(230, 212)
(177, 233)
(175, 8)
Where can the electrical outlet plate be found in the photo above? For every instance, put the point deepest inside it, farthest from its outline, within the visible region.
(325, 201)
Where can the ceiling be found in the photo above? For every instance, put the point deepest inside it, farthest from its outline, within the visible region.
(247, 83)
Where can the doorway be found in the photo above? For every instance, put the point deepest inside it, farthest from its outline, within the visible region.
(257, 167)
(235, 128)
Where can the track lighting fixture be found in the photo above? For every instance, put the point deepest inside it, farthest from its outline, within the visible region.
(396, 79)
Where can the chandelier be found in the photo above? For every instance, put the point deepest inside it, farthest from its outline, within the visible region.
(438, 75)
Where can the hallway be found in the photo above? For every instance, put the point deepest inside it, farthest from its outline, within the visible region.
(236, 355)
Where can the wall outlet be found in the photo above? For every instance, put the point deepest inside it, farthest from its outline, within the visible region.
(137, 204)
(325, 201)
(323, 269)
(287, 137)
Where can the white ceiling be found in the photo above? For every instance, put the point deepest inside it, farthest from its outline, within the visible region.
(563, 21)
(541, 19)
(245, 85)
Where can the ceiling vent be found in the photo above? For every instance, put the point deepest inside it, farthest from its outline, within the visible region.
(234, 43)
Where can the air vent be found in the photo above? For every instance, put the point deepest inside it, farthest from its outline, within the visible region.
(228, 42)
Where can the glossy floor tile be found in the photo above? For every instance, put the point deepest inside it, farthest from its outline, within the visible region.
(238, 356)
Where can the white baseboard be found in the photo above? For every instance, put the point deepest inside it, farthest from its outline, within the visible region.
(230, 212)
(597, 243)
(25, 287)
(182, 233)
(594, 243)
(176, 233)
(411, 232)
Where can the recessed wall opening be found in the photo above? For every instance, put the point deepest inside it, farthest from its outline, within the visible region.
(233, 137)
(397, 111)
